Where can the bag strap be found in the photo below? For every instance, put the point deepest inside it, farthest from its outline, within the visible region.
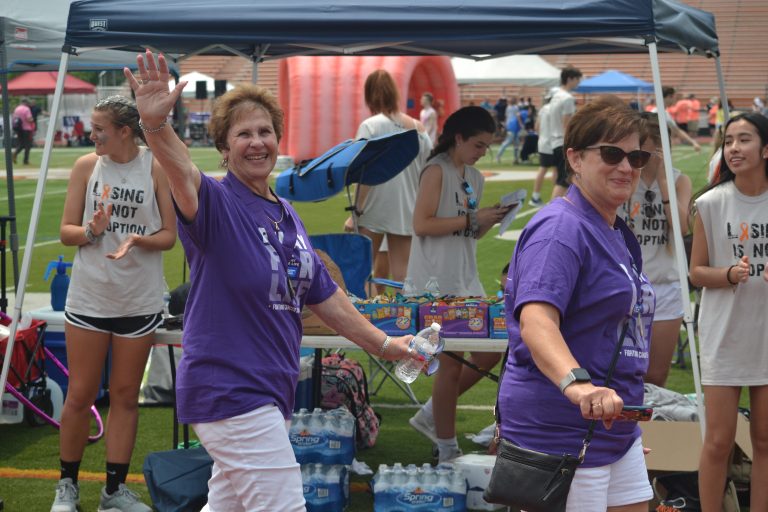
(608, 378)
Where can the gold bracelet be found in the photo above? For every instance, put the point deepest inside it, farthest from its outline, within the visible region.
(384, 346)
(152, 130)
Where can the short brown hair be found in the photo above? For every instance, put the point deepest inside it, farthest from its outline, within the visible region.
(603, 119)
(381, 94)
(225, 111)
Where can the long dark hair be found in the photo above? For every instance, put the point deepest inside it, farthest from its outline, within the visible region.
(760, 122)
(467, 122)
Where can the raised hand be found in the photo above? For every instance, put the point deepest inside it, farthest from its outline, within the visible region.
(153, 99)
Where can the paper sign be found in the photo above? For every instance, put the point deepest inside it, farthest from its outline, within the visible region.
(516, 198)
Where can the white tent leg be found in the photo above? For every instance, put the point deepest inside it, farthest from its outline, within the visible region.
(677, 237)
(721, 86)
(34, 218)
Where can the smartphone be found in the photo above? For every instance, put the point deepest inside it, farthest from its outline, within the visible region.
(635, 413)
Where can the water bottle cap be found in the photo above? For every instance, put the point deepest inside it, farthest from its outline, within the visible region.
(436, 326)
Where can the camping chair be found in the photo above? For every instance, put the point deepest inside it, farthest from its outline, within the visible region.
(353, 253)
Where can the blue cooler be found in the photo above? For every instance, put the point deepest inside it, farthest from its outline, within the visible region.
(54, 341)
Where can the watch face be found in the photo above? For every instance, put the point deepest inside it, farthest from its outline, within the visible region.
(581, 375)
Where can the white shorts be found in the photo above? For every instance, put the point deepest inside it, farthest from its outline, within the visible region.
(254, 467)
(669, 302)
(624, 482)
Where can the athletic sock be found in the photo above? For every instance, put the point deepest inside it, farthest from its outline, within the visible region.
(70, 470)
(448, 445)
(116, 475)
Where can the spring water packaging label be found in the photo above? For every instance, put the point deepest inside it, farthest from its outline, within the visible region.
(308, 436)
(326, 488)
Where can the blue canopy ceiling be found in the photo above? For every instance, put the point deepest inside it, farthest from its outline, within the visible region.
(280, 28)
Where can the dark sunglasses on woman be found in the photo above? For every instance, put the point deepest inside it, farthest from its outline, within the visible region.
(613, 155)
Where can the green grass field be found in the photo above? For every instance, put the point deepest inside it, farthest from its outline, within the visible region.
(28, 448)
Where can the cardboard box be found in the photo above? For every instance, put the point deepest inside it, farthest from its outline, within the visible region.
(395, 319)
(458, 320)
(313, 326)
(497, 321)
(676, 445)
(477, 469)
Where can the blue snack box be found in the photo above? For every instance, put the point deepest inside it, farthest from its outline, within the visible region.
(395, 319)
(497, 321)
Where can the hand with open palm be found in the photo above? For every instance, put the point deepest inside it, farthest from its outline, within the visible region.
(153, 99)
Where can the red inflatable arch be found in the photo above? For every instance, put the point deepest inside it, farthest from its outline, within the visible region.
(323, 96)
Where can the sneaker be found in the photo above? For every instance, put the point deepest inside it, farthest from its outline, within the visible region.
(67, 496)
(536, 202)
(123, 500)
(443, 458)
(425, 424)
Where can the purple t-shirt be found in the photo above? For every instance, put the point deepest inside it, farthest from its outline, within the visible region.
(569, 257)
(242, 322)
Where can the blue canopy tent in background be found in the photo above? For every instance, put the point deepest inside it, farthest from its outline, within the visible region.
(477, 29)
(613, 81)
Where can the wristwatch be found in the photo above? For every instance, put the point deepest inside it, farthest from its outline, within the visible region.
(575, 375)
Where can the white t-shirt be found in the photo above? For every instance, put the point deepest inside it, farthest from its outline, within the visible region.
(733, 326)
(562, 104)
(389, 206)
(428, 117)
(545, 130)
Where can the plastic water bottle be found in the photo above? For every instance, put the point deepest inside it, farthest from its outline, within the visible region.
(60, 283)
(432, 287)
(409, 289)
(425, 343)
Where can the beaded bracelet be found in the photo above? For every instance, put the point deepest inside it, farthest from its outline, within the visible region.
(152, 130)
(384, 346)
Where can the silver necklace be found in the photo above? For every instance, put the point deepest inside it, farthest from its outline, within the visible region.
(276, 223)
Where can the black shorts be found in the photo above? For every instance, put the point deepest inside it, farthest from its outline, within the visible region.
(125, 326)
(546, 160)
(559, 162)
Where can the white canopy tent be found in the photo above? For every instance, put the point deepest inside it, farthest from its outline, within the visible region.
(529, 70)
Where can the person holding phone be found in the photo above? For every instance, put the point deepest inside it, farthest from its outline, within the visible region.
(575, 283)
(447, 222)
(728, 262)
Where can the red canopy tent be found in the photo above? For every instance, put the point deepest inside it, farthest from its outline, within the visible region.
(38, 83)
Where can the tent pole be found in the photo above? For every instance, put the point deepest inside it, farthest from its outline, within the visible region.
(721, 85)
(7, 144)
(677, 236)
(33, 219)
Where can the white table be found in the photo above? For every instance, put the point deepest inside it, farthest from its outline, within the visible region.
(164, 337)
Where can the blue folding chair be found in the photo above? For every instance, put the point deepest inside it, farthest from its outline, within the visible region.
(353, 254)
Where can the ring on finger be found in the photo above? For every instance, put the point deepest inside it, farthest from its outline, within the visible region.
(598, 404)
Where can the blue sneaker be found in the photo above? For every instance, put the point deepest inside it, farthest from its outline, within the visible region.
(123, 500)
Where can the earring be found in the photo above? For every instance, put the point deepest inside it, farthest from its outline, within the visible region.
(224, 162)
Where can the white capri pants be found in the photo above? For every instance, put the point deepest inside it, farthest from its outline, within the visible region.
(254, 467)
(624, 482)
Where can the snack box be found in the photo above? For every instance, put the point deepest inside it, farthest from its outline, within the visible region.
(464, 318)
(394, 318)
(497, 321)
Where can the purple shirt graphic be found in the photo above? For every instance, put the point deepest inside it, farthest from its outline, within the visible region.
(569, 257)
(242, 322)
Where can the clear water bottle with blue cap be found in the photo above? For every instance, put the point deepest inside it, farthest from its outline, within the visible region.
(428, 343)
(60, 283)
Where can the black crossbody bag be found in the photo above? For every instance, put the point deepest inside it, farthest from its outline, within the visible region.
(536, 481)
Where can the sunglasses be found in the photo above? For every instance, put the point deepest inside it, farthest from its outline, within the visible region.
(471, 200)
(613, 155)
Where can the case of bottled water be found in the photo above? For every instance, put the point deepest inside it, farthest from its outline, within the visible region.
(324, 437)
(410, 488)
(326, 487)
